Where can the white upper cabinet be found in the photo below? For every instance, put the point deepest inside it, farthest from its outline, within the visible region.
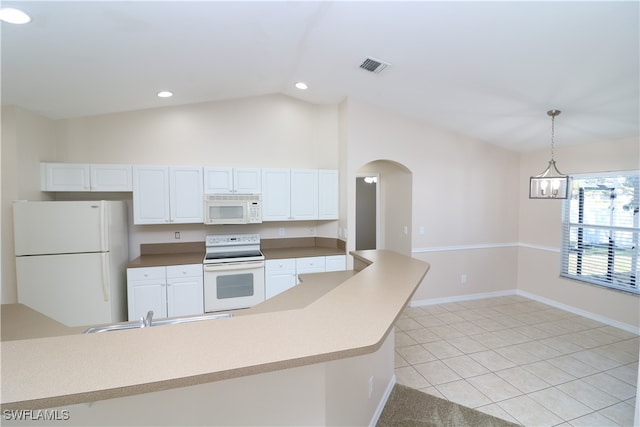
(304, 194)
(276, 194)
(85, 177)
(328, 196)
(163, 195)
(218, 180)
(247, 180)
(232, 180)
(151, 195)
(65, 177)
(186, 196)
(111, 178)
(299, 194)
(168, 194)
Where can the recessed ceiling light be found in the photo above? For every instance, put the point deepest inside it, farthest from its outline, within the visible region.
(165, 94)
(301, 85)
(14, 16)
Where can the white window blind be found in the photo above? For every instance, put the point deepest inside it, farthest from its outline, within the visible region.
(601, 230)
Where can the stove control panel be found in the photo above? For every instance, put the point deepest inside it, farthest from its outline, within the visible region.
(232, 239)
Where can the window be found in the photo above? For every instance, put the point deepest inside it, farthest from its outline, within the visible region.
(601, 230)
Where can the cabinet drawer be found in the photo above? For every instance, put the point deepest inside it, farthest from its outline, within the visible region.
(187, 270)
(336, 262)
(146, 273)
(280, 266)
(310, 263)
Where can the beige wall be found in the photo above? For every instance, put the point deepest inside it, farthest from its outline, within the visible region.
(463, 192)
(266, 131)
(26, 138)
(540, 223)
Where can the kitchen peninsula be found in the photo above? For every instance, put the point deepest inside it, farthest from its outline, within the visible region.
(327, 360)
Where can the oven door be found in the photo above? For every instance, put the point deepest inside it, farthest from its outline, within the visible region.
(233, 285)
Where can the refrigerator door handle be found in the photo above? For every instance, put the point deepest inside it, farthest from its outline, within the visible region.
(105, 277)
(103, 227)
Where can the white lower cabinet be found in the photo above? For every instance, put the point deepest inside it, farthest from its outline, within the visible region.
(336, 263)
(282, 274)
(168, 291)
(314, 264)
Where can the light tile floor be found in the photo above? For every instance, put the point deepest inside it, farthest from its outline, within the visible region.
(520, 360)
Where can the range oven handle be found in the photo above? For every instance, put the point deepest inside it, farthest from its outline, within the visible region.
(233, 266)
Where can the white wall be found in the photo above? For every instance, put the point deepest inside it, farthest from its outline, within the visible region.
(540, 228)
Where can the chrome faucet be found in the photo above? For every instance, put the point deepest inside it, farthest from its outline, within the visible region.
(145, 322)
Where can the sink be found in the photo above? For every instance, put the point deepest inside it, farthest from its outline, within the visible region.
(161, 322)
(190, 319)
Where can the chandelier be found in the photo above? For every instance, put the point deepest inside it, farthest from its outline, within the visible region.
(550, 184)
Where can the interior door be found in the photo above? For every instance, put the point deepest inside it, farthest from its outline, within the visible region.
(366, 213)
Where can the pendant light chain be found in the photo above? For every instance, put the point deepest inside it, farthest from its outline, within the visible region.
(553, 120)
(553, 114)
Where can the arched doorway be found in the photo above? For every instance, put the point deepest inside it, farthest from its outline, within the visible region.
(391, 211)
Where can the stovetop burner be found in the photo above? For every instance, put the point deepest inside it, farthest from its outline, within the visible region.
(232, 248)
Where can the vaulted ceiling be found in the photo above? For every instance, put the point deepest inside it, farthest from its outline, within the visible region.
(489, 70)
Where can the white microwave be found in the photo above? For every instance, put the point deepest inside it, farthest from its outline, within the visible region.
(232, 209)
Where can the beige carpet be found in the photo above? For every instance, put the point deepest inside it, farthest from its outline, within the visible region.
(410, 407)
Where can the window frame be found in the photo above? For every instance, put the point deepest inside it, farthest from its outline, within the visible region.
(626, 250)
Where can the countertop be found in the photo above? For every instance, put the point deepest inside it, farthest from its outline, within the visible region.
(163, 254)
(21, 322)
(353, 317)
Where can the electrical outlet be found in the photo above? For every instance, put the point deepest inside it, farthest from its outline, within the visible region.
(463, 279)
(312, 231)
(281, 231)
(177, 235)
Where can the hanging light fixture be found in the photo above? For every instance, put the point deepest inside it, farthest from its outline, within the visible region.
(550, 184)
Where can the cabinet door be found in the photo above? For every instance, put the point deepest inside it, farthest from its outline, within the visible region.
(146, 290)
(185, 297)
(185, 290)
(65, 177)
(111, 178)
(151, 195)
(247, 180)
(276, 194)
(304, 194)
(280, 275)
(328, 194)
(218, 180)
(186, 195)
(336, 263)
(314, 264)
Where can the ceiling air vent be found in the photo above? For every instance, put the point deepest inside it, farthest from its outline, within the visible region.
(374, 65)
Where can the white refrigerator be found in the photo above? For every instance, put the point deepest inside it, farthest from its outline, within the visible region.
(71, 259)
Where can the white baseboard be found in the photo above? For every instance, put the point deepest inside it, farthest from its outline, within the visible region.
(580, 312)
(420, 303)
(383, 401)
(607, 321)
